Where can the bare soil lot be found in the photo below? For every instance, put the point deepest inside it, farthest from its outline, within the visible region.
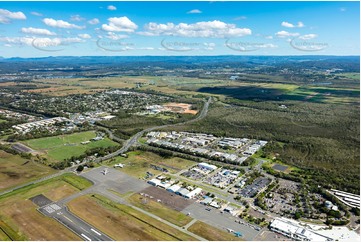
(168, 199)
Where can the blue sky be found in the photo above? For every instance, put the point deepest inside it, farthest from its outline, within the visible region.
(36, 29)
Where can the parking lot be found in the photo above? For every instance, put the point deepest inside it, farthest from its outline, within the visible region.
(220, 220)
(115, 180)
(194, 175)
(221, 179)
(257, 185)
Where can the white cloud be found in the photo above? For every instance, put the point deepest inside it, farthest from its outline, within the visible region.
(284, 34)
(93, 21)
(216, 29)
(267, 46)
(300, 25)
(269, 37)
(113, 36)
(84, 36)
(39, 42)
(77, 18)
(308, 36)
(194, 11)
(4, 20)
(289, 25)
(111, 8)
(240, 18)
(60, 24)
(36, 31)
(36, 14)
(6, 16)
(145, 48)
(209, 46)
(343, 9)
(121, 24)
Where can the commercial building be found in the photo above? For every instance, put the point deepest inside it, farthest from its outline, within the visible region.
(207, 166)
(182, 192)
(193, 193)
(206, 201)
(173, 188)
(295, 231)
(154, 182)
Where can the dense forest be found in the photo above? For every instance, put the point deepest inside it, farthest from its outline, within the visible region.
(322, 139)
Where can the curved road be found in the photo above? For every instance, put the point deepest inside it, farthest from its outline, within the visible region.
(126, 146)
(135, 137)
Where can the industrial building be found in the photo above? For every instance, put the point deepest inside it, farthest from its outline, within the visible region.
(207, 166)
(193, 193)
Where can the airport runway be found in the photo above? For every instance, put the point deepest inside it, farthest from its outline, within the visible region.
(84, 230)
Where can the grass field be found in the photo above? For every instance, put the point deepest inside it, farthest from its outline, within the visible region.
(138, 163)
(122, 222)
(15, 170)
(63, 147)
(20, 219)
(351, 75)
(3, 236)
(211, 233)
(160, 210)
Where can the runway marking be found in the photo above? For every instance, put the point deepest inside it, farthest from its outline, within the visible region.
(83, 229)
(68, 219)
(86, 237)
(95, 231)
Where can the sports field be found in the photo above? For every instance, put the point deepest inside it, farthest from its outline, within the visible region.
(15, 170)
(122, 222)
(20, 219)
(62, 147)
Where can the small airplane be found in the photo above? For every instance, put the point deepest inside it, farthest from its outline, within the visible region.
(105, 171)
(118, 165)
(230, 230)
(238, 234)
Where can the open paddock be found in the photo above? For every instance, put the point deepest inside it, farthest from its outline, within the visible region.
(122, 222)
(139, 163)
(15, 170)
(156, 207)
(168, 199)
(211, 233)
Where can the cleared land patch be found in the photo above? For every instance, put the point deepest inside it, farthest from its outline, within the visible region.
(157, 208)
(15, 170)
(122, 222)
(168, 199)
(139, 162)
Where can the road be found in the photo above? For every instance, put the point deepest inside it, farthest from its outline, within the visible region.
(114, 180)
(127, 144)
(72, 222)
(135, 137)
